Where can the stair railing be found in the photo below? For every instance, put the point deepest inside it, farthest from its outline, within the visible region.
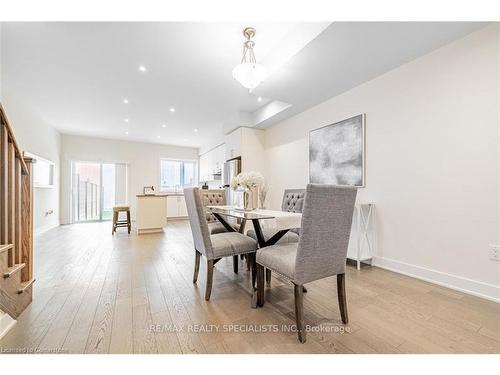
(16, 203)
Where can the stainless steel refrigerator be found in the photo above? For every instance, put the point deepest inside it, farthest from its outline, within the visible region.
(231, 169)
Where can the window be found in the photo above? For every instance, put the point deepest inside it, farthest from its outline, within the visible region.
(177, 174)
(43, 172)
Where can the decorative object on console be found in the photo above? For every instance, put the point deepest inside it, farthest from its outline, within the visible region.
(337, 153)
(148, 190)
(248, 184)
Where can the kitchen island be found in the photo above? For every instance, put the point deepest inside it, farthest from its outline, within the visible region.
(154, 210)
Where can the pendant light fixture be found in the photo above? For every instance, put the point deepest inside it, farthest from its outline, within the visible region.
(248, 72)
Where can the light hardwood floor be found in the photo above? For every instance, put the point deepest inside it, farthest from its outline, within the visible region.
(97, 293)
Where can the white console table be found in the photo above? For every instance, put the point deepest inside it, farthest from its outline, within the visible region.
(362, 241)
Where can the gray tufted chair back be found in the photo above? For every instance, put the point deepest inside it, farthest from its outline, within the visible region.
(325, 230)
(293, 200)
(212, 197)
(199, 225)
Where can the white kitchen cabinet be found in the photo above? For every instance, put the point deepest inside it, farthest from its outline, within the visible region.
(233, 144)
(211, 163)
(182, 207)
(176, 206)
(172, 206)
(248, 144)
(204, 167)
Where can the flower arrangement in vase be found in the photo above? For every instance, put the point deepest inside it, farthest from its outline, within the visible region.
(248, 184)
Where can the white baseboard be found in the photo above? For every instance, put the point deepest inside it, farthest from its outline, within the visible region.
(45, 228)
(462, 284)
(6, 324)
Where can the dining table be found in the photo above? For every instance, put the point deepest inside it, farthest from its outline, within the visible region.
(280, 222)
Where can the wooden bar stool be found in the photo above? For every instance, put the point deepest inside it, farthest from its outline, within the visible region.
(121, 223)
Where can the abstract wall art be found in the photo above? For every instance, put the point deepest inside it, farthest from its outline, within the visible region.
(336, 153)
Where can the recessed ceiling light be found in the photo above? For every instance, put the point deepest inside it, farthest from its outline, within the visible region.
(125, 101)
(126, 133)
(259, 99)
(142, 69)
(126, 119)
(185, 139)
(158, 136)
(196, 130)
(164, 125)
(172, 109)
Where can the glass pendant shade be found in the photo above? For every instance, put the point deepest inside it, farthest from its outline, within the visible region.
(249, 74)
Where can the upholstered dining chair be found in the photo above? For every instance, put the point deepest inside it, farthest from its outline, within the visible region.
(293, 201)
(214, 197)
(214, 246)
(321, 251)
(217, 197)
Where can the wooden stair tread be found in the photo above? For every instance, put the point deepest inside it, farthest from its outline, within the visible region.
(25, 286)
(12, 270)
(6, 247)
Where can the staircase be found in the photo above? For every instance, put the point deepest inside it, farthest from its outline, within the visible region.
(16, 223)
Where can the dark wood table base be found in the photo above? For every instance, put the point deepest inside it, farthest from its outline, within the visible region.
(251, 256)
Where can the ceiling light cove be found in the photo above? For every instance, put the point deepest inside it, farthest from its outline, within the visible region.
(142, 69)
(248, 72)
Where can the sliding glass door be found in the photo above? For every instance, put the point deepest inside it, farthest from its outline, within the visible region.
(108, 190)
(95, 187)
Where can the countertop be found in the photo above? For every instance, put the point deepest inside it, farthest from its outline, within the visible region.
(159, 195)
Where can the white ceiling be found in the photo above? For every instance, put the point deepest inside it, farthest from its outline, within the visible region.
(76, 75)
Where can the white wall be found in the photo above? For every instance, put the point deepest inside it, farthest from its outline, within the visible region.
(143, 159)
(39, 138)
(432, 156)
(34, 135)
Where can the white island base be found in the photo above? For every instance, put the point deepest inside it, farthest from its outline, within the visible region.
(151, 216)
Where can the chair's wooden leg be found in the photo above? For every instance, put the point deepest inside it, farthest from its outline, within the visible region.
(299, 312)
(249, 264)
(252, 265)
(235, 263)
(197, 257)
(210, 278)
(260, 285)
(342, 297)
(304, 289)
(268, 277)
(129, 223)
(115, 219)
